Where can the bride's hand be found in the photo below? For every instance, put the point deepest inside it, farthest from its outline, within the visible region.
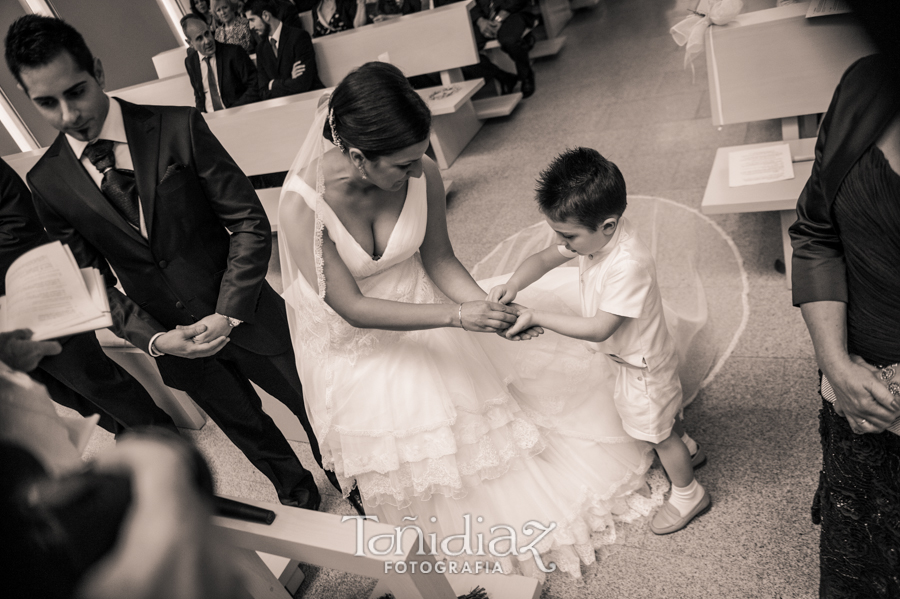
(486, 317)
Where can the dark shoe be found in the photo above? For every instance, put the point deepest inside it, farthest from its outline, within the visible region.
(332, 478)
(306, 499)
(507, 82)
(528, 85)
(528, 42)
(356, 501)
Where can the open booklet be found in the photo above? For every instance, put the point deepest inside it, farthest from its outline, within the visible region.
(47, 293)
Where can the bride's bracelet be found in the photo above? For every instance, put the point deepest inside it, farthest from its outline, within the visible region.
(460, 318)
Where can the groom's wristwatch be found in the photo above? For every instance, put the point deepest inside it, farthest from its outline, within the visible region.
(232, 322)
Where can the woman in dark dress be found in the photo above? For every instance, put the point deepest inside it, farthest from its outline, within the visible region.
(846, 280)
(333, 16)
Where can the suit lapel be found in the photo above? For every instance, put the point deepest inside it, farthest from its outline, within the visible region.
(220, 67)
(62, 160)
(142, 128)
(198, 65)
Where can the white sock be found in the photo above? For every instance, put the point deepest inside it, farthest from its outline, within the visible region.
(690, 444)
(684, 499)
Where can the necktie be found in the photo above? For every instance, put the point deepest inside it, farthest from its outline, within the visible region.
(274, 43)
(213, 86)
(118, 185)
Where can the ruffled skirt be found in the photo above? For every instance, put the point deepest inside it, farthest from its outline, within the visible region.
(452, 431)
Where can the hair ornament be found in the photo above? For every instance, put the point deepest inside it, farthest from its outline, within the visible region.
(334, 136)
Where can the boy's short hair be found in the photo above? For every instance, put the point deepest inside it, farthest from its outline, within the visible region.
(35, 40)
(583, 186)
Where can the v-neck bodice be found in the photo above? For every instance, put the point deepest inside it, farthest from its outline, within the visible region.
(403, 242)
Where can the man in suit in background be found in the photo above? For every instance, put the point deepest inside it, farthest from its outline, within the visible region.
(148, 193)
(226, 77)
(285, 56)
(80, 376)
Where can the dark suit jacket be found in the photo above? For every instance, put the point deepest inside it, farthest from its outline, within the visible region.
(864, 103)
(294, 45)
(235, 74)
(190, 267)
(20, 229)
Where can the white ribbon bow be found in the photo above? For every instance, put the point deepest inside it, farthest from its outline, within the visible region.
(691, 32)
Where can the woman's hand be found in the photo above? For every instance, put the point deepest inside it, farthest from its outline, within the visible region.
(862, 398)
(486, 317)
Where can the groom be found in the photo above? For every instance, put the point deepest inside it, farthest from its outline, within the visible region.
(147, 194)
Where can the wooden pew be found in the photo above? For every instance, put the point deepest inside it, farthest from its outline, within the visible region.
(170, 62)
(324, 540)
(775, 64)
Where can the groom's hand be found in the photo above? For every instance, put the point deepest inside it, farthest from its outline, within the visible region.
(216, 326)
(180, 342)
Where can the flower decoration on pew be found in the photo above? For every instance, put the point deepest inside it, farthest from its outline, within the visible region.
(691, 32)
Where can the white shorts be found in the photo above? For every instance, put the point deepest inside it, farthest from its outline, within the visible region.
(648, 402)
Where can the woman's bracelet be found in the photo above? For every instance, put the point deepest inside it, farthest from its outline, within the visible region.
(460, 318)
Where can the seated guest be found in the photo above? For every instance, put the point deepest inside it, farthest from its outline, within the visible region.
(285, 57)
(201, 9)
(508, 22)
(227, 76)
(233, 27)
(389, 9)
(332, 16)
(75, 370)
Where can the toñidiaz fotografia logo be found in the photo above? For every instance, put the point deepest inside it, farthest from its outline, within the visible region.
(503, 541)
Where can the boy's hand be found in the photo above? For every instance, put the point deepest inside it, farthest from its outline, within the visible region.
(503, 294)
(525, 327)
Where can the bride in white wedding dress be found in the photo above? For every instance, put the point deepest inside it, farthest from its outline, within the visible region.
(438, 426)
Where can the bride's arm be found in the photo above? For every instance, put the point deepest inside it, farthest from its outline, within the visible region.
(440, 261)
(344, 296)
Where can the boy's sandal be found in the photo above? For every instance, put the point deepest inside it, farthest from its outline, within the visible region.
(699, 458)
(668, 519)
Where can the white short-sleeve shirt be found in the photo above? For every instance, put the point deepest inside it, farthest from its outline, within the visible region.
(621, 279)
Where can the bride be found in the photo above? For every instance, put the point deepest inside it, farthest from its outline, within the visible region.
(436, 425)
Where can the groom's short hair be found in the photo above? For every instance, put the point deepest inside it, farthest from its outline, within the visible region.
(581, 185)
(35, 40)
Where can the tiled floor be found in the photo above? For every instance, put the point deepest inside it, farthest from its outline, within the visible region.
(619, 86)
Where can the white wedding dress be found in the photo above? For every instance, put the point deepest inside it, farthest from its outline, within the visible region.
(439, 424)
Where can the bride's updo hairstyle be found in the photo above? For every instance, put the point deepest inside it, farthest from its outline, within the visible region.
(375, 110)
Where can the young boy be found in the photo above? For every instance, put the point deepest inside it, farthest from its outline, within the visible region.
(582, 197)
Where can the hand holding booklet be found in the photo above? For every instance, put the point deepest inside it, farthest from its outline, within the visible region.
(47, 293)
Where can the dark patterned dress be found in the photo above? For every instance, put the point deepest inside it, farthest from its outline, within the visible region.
(238, 33)
(336, 24)
(858, 500)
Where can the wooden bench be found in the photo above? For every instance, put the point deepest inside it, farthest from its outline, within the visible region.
(326, 541)
(779, 196)
(775, 64)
